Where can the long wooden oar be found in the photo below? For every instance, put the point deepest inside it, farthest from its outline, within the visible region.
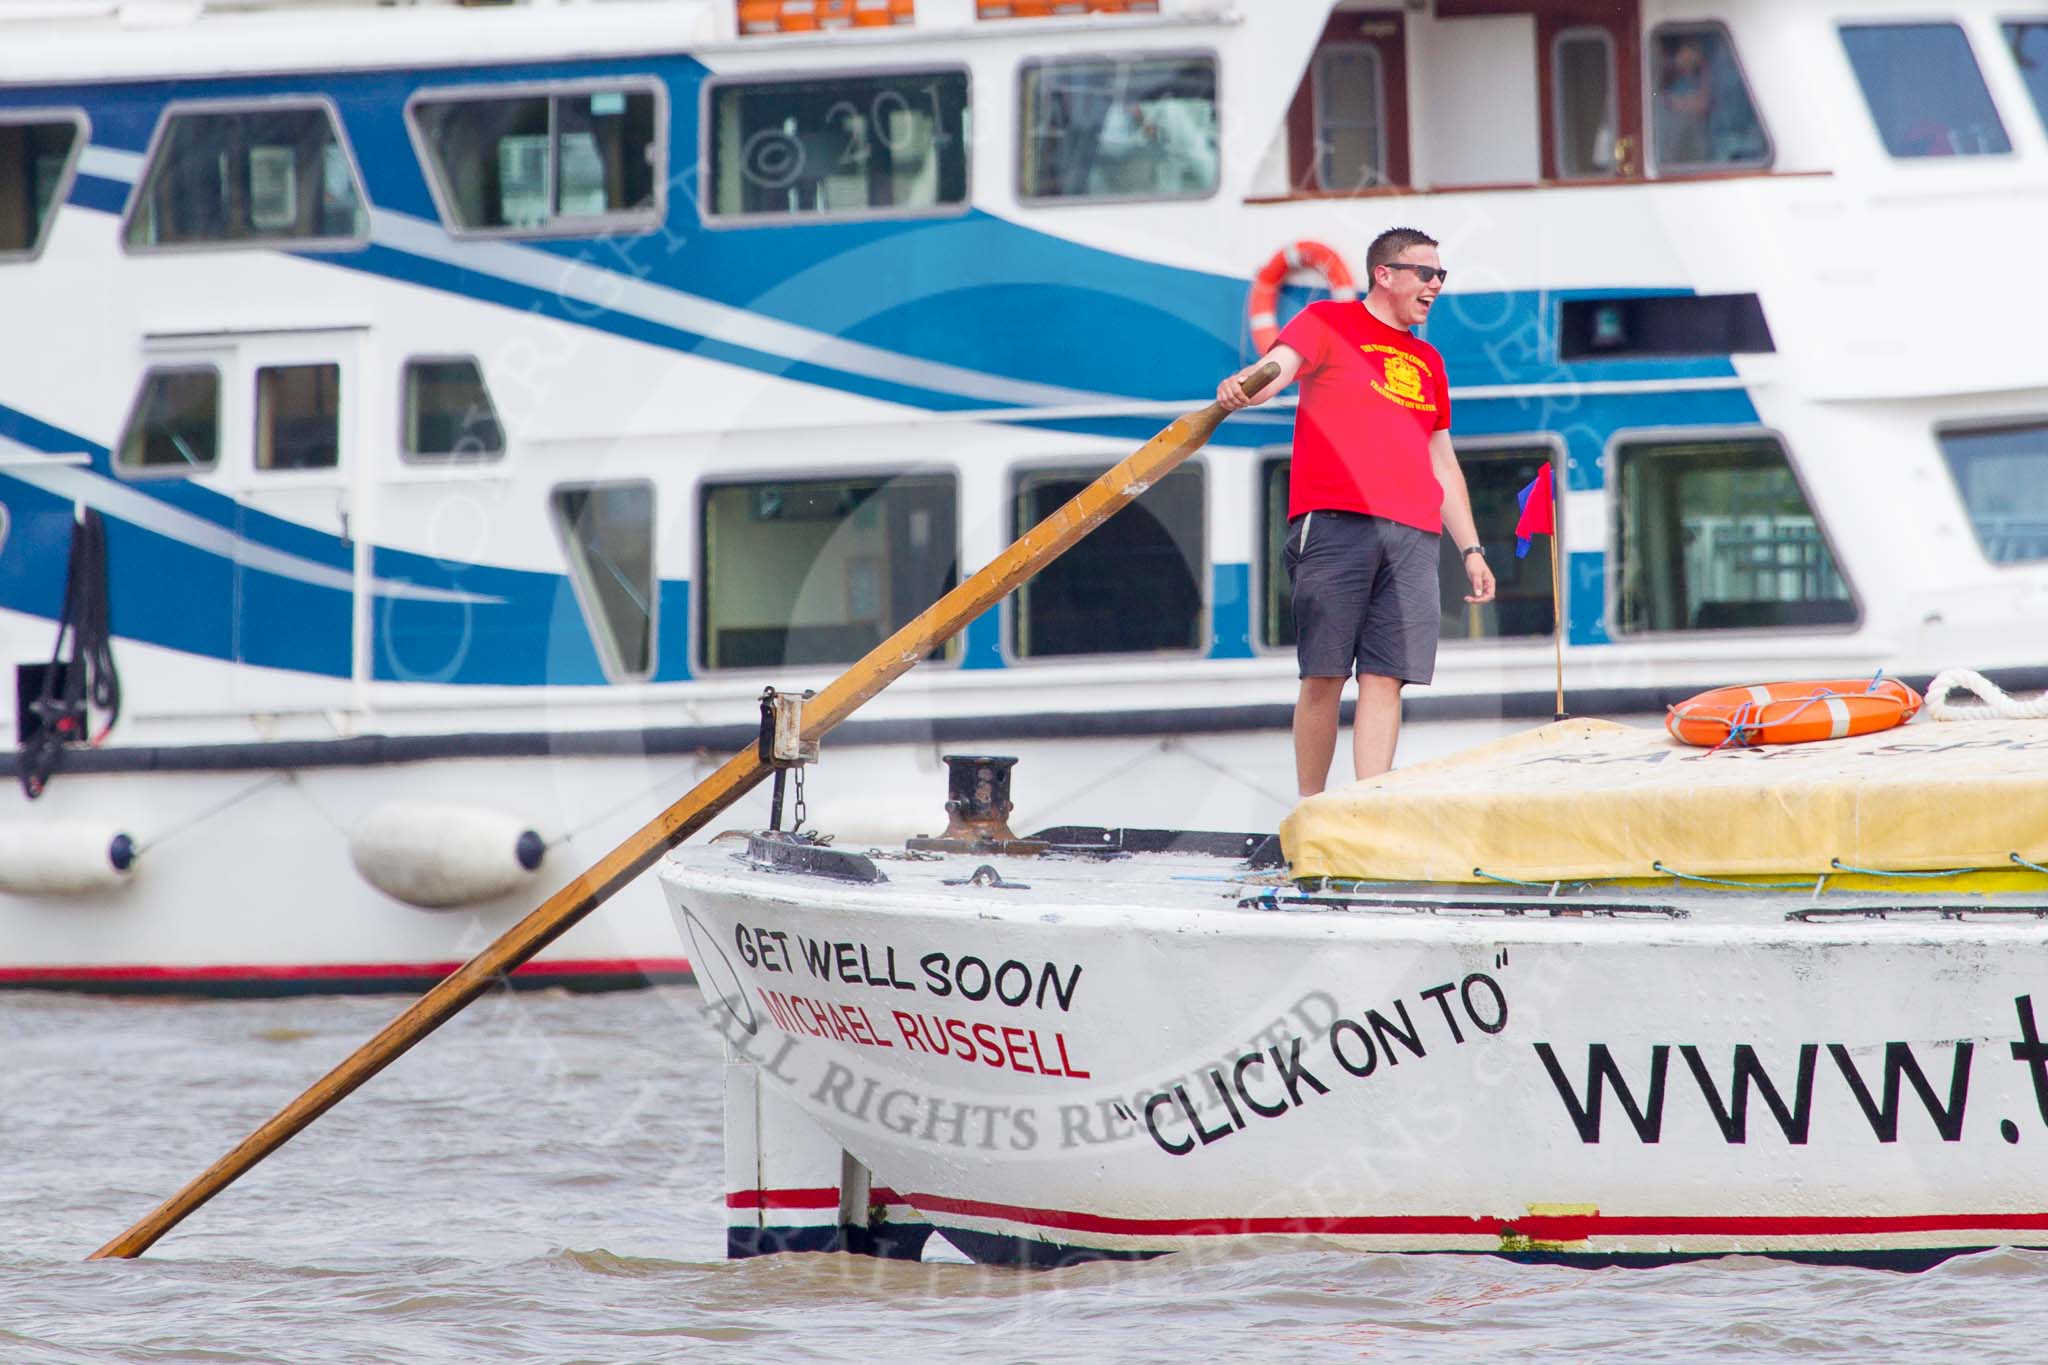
(884, 663)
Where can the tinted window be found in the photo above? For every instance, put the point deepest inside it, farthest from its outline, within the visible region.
(1701, 114)
(1718, 535)
(821, 571)
(34, 156)
(2029, 44)
(1133, 586)
(1672, 324)
(248, 175)
(545, 161)
(298, 417)
(448, 412)
(608, 531)
(1276, 600)
(1351, 151)
(1924, 89)
(1522, 603)
(174, 427)
(2002, 474)
(1492, 478)
(1139, 129)
(840, 145)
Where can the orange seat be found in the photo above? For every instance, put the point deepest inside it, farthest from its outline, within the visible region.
(811, 16)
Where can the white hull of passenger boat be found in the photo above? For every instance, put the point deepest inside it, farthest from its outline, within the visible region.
(260, 884)
(1069, 1057)
(244, 883)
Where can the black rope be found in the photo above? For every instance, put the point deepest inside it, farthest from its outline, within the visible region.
(87, 681)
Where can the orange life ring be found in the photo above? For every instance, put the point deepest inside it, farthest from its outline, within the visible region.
(1791, 712)
(1266, 285)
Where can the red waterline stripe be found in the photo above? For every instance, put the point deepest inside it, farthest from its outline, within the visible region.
(1546, 1228)
(823, 1197)
(329, 971)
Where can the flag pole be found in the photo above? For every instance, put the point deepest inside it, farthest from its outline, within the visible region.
(1557, 624)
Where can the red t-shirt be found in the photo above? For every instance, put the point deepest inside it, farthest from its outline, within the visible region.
(1371, 397)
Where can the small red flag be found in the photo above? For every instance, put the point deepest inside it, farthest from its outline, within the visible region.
(1539, 512)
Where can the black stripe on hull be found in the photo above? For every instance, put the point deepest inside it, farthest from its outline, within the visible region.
(374, 750)
(886, 1243)
(1028, 1253)
(279, 988)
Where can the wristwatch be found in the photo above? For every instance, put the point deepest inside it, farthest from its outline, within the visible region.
(1479, 550)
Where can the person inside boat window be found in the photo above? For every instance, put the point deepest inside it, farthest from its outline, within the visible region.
(1374, 482)
(1683, 102)
(1704, 116)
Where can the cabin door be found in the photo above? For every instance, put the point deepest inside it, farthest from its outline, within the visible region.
(1590, 79)
(300, 574)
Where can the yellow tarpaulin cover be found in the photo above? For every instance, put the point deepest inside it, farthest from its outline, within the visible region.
(1590, 799)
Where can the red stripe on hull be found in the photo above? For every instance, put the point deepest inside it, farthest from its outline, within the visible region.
(1545, 1228)
(237, 973)
(822, 1197)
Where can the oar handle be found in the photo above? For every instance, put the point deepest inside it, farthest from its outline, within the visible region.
(739, 774)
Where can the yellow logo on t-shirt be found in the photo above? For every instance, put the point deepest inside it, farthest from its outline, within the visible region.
(1402, 377)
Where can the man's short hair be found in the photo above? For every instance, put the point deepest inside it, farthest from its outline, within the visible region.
(1388, 246)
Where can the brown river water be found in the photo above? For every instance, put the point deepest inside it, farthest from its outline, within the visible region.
(540, 1181)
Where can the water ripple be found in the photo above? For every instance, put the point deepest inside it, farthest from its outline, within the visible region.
(541, 1182)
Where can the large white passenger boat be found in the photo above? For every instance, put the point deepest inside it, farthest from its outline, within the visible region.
(442, 422)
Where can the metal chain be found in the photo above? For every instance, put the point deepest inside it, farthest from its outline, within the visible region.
(797, 813)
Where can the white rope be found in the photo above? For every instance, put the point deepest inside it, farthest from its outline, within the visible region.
(1993, 703)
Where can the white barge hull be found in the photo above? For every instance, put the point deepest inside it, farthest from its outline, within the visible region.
(1106, 1064)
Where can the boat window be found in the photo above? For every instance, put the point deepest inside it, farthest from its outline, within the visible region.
(584, 160)
(821, 571)
(835, 145)
(1662, 324)
(448, 412)
(1493, 476)
(1133, 586)
(1702, 117)
(607, 531)
(298, 417)
(36, 156)
(1351, 117)
(174, 427)
(1141, 128)
(243, 177)
(1924, 89)
(2002, 473)
(2029, 43)
(1276, 596)
(1582, 75)
(1718, 535)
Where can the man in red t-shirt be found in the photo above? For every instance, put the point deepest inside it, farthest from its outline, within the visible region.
(1373, 486)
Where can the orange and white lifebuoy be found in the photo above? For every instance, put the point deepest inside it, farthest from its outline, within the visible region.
(1791, 712)
(1266, 286)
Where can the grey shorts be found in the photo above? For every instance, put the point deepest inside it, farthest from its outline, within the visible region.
(1365, 596)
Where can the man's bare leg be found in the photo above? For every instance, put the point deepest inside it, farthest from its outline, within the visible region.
(1376, 726)
(1315, 732)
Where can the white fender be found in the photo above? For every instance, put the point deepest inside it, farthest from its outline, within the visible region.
(63, 857)
(439, 856)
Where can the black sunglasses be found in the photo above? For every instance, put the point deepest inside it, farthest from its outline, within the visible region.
(1425, 273)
